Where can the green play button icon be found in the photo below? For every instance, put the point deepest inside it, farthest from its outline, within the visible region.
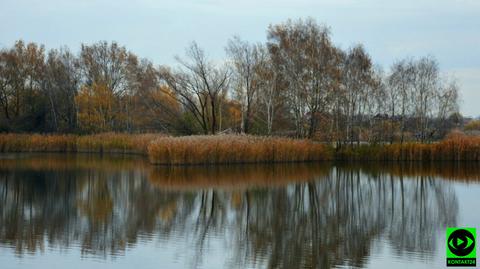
(461, 249)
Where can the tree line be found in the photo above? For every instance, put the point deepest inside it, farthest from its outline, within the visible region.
(297, 83)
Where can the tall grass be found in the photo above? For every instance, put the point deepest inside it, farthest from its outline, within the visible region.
(456, 147)
(115, 143)
(37, 143)
(231, 149)
(72, 162)
(100, 143)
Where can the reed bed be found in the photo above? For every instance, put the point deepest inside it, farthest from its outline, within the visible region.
(456, 147)
(115, 143)
(233, 149)
(37, 143)
(71, 162)
(99, 143)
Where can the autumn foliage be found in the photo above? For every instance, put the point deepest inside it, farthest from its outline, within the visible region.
(97, 108)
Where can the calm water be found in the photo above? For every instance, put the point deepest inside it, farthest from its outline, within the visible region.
(83, 211)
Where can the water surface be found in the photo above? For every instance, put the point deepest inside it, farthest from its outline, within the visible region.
(89, 211)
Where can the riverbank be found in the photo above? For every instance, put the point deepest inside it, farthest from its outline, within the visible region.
(232, 149)
(98, 143)
(161, 149)
(456, 147)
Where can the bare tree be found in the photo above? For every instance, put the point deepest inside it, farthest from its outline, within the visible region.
(424, 100)
(105, 63)
(307, 59)
(270, 89)
(448, 98)
(199, 85)
(425, 86)
(62, 81)
(400, 91)
(357, 78)
(246, 60)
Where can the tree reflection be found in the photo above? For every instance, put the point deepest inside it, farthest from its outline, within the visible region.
(287, 216)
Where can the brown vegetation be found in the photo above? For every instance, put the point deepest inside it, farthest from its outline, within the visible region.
(71, 162)
(230, 149)
(227, 149)
(456, 147)
(100, 143)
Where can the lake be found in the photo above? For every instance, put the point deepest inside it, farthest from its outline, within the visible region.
(88, 211)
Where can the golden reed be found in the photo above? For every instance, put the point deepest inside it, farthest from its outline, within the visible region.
(232, 149)
(99, 143)
(456, 147)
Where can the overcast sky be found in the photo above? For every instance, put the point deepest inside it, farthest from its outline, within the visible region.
(159, 30)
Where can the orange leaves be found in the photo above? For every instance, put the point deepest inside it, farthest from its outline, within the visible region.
(167, 98)
(96, 108)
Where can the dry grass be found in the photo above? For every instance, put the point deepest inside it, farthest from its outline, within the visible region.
(231, 149)
(100, 143)
(115, 143)
(37, 143)
(71, 162)
(456, 147)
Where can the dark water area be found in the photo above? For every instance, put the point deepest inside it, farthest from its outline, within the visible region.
(89, 211)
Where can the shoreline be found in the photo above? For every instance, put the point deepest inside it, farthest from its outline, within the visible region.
(242, 149)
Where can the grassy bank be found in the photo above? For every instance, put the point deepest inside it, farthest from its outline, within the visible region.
(99, 143)
(162, 149)
(456, 147)
(231, 149)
